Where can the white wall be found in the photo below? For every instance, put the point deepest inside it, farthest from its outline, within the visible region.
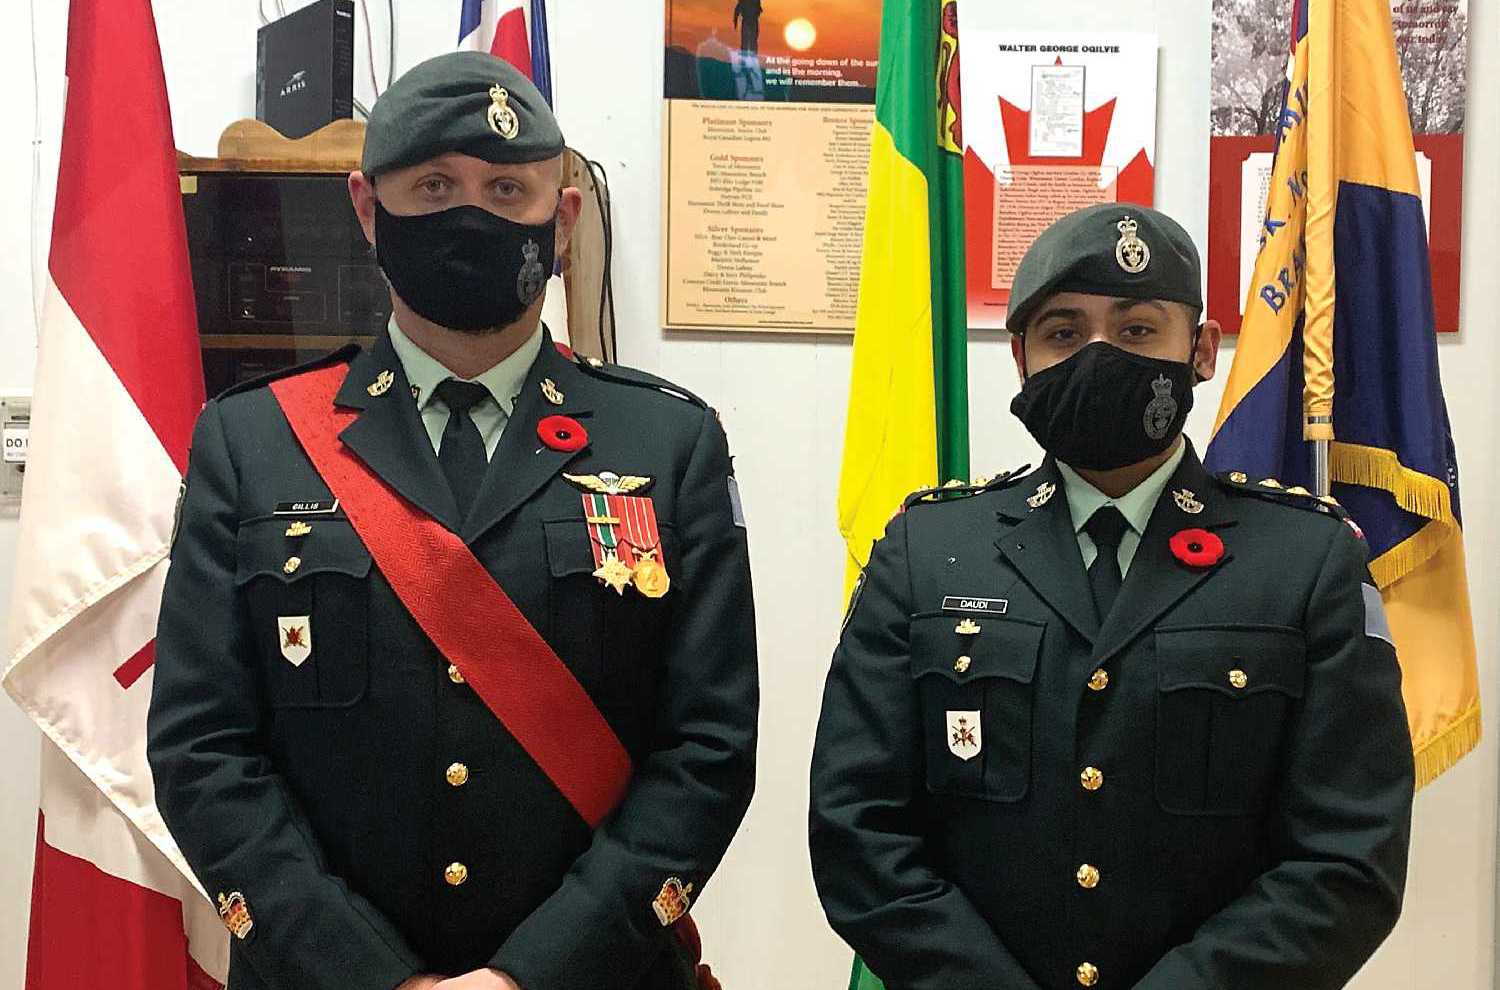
(782, 400)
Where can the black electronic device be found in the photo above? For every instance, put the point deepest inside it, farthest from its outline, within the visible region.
(281, 270)
(304, 68)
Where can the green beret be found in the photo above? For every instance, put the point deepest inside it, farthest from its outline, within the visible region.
(1114, 249)
(471, 102)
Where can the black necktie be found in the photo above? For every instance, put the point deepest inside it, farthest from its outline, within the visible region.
(1105, 527)
(461, 451)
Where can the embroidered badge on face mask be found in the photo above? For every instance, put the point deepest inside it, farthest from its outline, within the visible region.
(532, 278)
(1161, 410)
(1131, 253)
(964, 739)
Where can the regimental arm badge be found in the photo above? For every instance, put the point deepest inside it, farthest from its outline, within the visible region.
(1131, 253)
(502, 118)
(235, 914)
(673, 902)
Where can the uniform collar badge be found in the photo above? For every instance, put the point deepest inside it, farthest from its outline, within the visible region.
(1043, 495)
(1187, 502)
(1131, 253)
(551, 392)
(502, 118)
(382, 384)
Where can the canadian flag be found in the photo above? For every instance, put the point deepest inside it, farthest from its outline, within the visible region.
(118, 386)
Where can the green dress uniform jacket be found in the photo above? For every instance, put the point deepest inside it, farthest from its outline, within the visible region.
(1211, 790)
(375, 816)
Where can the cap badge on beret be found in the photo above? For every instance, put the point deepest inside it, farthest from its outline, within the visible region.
(503, 120)
(1131, 252)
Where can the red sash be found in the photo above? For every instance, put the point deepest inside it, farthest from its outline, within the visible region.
(463, 610)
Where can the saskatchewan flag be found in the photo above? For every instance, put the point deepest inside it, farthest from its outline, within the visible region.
(1338, 345)
(908, 422)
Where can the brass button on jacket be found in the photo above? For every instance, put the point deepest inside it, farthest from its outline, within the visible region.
(1092, 778)
(1088, 876)
(458, 774)
(1099, 681)
(455, 874)
(454, 675)
(1088, 974)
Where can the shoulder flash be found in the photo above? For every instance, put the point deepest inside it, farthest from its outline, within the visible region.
(632, 376)
(343, 355)
(1272, 490)
(956, 489)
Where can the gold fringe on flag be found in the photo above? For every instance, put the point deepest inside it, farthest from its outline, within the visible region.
(1437, 755)
(1417, 493)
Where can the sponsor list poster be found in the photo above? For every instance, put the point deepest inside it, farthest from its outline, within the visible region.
(766, 142)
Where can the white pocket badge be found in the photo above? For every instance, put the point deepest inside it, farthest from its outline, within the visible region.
(964, 740)
(295, 635)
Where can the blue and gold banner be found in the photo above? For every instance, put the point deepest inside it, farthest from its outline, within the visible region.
(1338, 343)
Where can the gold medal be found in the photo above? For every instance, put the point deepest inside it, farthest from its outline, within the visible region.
(650, 577)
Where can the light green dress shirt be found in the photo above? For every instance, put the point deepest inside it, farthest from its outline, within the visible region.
(504, 382)
(1135, 505)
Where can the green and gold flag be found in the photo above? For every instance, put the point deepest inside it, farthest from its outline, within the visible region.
(908, 424)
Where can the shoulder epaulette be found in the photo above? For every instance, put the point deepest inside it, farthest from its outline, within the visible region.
(1296, 496)
(631, 376)
(956, 489)
(341, 356)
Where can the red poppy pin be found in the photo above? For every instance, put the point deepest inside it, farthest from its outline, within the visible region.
(1197, 548)
(562, 433)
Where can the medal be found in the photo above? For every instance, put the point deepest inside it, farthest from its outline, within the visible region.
(626, 543)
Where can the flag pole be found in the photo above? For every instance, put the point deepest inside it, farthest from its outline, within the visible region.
(1322, 482)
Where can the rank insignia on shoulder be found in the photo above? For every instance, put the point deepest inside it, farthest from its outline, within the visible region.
(609, 483)
(235, 914)
(673, 901)
(957, 489)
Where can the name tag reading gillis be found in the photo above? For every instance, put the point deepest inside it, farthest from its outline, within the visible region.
(978, 606)
(322, 507)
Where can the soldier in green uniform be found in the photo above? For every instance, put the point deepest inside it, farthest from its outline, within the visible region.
(455, 676)
(1117, 723)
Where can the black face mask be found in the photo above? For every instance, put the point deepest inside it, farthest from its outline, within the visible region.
(1104, 408)
(465, 268)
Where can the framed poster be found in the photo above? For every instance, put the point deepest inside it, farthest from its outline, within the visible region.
(766, 133)
(1053, 121)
